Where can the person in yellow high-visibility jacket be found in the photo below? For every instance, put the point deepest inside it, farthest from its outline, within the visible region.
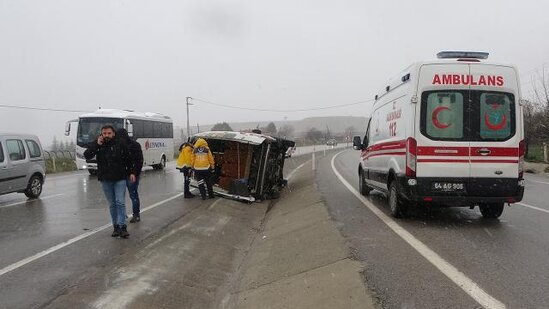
(203, 165)
(184, 164)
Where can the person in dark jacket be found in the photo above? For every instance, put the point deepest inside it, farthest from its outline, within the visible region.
(136, 158)
(113, 168)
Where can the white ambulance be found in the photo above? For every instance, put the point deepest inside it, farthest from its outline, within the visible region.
(446, 132)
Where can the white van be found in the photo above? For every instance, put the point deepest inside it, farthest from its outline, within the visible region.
(22, 164)
(447, 132)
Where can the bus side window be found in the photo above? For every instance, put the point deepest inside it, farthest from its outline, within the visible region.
(147, 128)
(138, 128)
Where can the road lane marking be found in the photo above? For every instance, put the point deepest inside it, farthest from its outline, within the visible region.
(543, 182)
(292, 173)
(32, 201)
(62, 245)
(459, 278)
(533, 207)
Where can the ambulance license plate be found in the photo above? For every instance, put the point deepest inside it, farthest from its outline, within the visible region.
(448, 186)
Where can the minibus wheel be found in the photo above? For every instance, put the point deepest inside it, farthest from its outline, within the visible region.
(396, 204)
(491, 210)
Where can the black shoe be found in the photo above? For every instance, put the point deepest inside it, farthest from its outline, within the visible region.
(204, 197)
(116, 231)
(188, 195)
(135, 219)
(123, 232)
(212, 196)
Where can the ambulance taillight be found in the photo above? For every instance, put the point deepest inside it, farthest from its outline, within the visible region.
(522, 152)
(411, 155)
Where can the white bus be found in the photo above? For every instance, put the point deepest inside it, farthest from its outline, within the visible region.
(153, 131)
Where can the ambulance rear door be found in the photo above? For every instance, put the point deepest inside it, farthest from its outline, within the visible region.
(495, 130)
(443, 162)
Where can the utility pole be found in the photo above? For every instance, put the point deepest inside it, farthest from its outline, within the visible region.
(188, 127)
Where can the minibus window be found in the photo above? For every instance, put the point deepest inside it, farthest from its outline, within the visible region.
(442, 115)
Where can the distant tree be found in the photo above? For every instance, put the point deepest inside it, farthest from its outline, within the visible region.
(270, 128)
(54, 144)
(286, 131)
(72, 146)
(328, 133)
(222, 127)
(314, 135)
(350, 132)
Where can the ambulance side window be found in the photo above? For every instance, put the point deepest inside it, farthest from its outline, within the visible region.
(365, 141)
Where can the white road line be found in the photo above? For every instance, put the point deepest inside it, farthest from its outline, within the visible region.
(62, 245)
(32, 201)
(292, 173)
(543, 182)
(459, 278)
(533, 207)
(54, 177)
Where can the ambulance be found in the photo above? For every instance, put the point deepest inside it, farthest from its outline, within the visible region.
(447, 132)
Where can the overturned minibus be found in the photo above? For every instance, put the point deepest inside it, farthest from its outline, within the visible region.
(248, 166)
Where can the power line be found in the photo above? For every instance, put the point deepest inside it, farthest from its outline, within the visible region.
(281, 110)
(42, 109)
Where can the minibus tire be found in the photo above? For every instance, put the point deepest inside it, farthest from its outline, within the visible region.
(491, 210)
(34, 187)
(396, 204)
(362, 186)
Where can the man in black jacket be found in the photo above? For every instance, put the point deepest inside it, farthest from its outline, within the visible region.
(113, 168)
(136, 158)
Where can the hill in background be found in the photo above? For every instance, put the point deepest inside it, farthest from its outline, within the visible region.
(336, 127)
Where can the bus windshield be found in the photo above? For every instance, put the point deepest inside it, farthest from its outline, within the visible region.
(89, 128)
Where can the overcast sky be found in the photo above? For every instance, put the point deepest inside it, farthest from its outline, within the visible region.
(285, 54)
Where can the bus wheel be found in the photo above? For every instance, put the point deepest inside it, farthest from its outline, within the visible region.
(491, 210)
(396, 204)
(162, 164)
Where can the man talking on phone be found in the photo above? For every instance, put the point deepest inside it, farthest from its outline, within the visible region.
(113, 168)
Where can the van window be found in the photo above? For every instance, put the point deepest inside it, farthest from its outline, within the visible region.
(1, 154)
(34, 149)
(496, 121)
(16, 151)
(443, 115)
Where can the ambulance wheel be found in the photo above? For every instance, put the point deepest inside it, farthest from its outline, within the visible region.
(362, 186)
(396, 204)
(491, 210)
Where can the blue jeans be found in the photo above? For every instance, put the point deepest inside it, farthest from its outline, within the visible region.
(134, 196)
(115, 192)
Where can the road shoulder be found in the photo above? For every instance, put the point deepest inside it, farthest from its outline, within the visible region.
(299, 259)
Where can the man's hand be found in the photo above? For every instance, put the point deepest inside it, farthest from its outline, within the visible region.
(132, 178)
(100, 140)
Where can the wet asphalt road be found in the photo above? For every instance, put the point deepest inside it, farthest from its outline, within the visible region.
(71, 206)
(507, 258)
(52, 243)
